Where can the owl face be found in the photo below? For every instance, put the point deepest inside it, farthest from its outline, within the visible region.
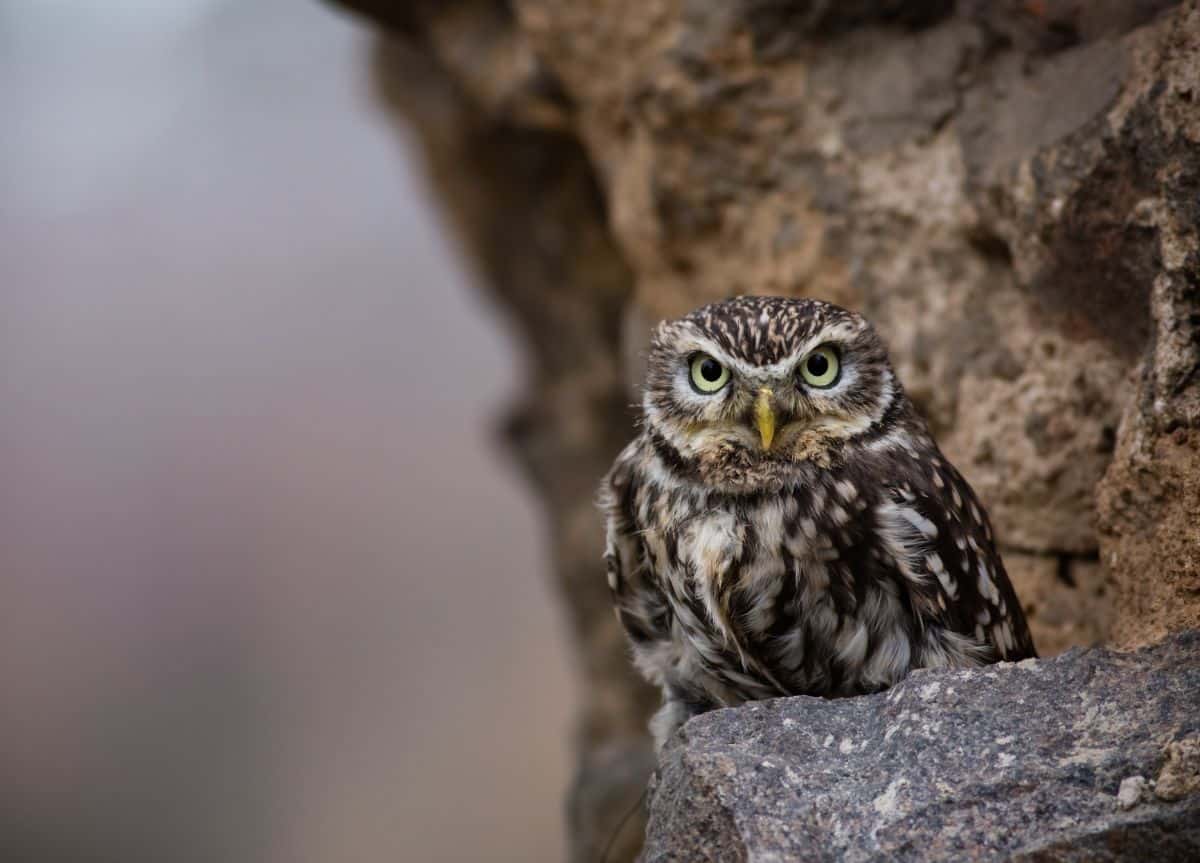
(746, 386)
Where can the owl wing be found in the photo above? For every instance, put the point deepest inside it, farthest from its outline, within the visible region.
(642, 608)
(959, 582)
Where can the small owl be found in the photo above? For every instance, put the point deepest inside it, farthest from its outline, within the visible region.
(784, 524)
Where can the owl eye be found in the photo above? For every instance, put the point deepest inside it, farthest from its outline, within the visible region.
(707, 374)
(821, 367)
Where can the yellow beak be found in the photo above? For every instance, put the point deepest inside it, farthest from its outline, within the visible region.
(764, 417)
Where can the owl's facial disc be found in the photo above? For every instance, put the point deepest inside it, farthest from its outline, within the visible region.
(742, 397)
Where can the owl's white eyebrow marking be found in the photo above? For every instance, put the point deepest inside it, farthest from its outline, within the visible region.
(692, 340)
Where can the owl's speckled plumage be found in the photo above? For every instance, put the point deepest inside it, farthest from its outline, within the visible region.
(829, 558)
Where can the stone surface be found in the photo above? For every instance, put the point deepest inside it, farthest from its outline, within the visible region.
(1043, 760)
(1010, 189)
(1067, 599)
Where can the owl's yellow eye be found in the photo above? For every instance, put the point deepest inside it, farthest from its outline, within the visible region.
(821, 367)
(707, 374)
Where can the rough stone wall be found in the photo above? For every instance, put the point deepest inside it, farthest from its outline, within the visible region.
(1010, 189)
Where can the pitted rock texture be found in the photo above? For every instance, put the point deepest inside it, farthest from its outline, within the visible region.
(1092, 755)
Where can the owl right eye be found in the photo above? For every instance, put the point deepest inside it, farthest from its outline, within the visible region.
(707, 374)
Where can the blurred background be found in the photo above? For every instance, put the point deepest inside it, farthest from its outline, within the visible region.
(268, 590)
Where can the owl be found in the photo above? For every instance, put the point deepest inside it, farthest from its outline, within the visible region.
(785, 524)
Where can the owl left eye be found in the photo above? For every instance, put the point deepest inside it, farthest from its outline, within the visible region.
(821, 367)
(707, 374)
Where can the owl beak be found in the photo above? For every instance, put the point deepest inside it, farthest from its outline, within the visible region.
(764, 416)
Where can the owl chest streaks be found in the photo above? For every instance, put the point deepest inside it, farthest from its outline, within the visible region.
(777, 593)
(834, 582)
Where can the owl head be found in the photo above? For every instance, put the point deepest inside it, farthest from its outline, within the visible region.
(742, 389)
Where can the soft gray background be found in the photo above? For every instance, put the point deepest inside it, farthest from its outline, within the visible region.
(268, 591)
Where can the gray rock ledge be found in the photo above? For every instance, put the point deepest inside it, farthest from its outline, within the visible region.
(1092, 755)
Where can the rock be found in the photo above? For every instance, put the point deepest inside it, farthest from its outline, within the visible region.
(1131, 791)
(1041, 760)
(1066, 599)
(1180, 776)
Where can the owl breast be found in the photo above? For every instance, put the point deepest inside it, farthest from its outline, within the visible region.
(823, 586)
(781, 593)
